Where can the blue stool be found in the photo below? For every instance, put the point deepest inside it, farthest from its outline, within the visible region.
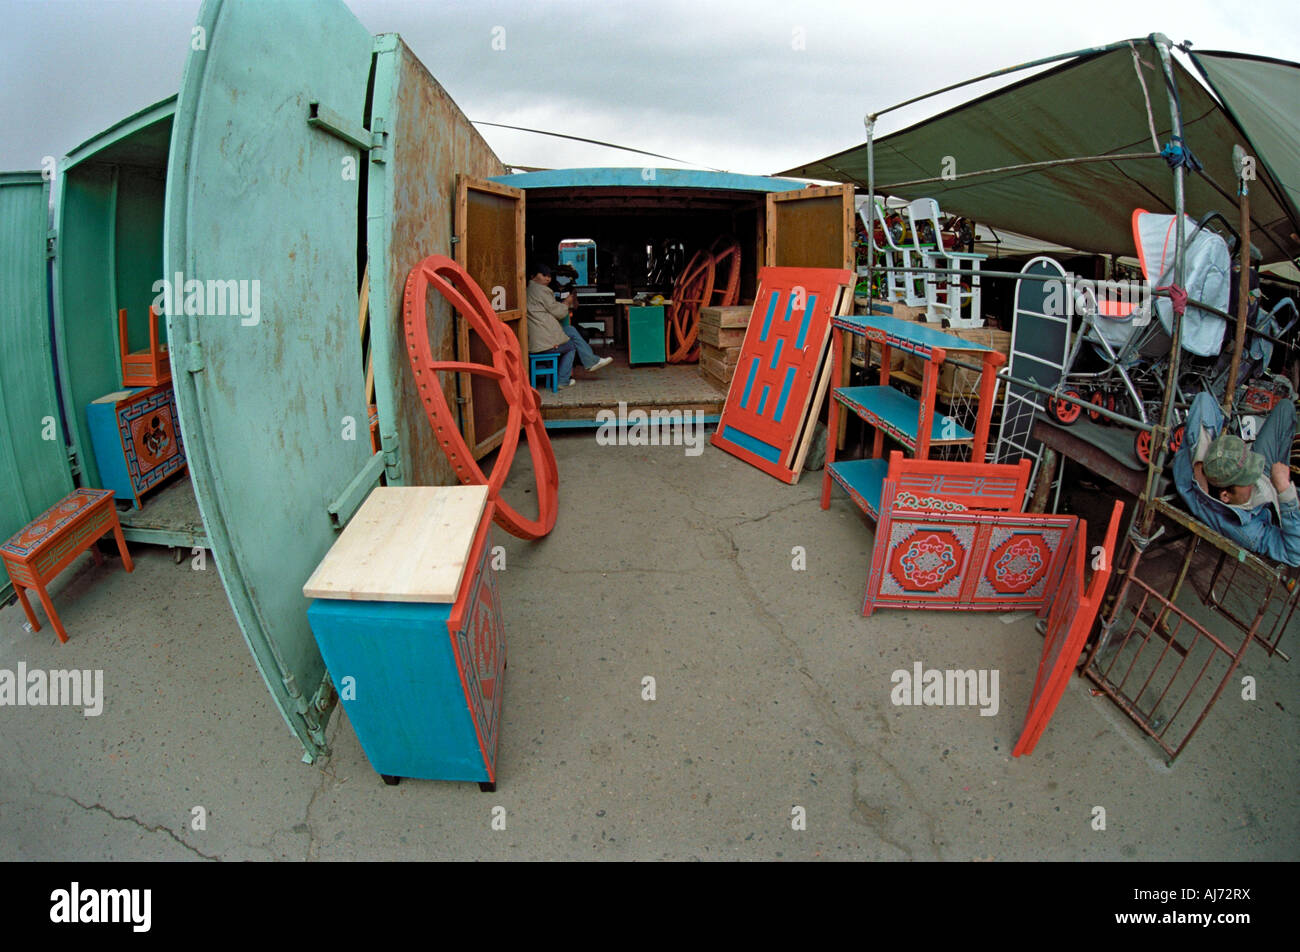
(544, 365)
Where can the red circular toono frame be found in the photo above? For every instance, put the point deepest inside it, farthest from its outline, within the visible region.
(451, 281)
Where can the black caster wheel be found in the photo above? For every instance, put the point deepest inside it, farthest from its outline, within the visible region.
(487, 787)
(391, 780)
(178, 554)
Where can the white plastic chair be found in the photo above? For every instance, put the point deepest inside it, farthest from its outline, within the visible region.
(934, 255)
(900, 280)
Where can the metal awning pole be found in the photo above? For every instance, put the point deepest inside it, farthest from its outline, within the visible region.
(1243, 285)
(1026, 166)
(1160, 437)
(870, 122)
(1089, 51)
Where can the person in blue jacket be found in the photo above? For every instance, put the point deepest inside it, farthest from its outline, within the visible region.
(1242, 492)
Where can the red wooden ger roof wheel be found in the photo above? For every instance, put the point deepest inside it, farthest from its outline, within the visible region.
(462, 293)
(696, 287)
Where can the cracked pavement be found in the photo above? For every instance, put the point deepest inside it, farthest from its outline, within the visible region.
(772, 693)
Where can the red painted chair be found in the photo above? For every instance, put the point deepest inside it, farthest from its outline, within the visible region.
(143, 368)
(36, 554)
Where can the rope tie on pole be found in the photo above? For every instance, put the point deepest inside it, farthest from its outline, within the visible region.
(1141, 542)
(1177, 297)
(1177, 153)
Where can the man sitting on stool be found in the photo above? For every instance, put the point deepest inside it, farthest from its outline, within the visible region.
(1245, 496)
(546, 335)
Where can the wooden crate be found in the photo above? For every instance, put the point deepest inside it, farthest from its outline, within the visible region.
(719, 364)
(737, 316)
(863, 348)
(899, 310)
(721, 337)
(717, 369)
(959, 380)
(721, 355)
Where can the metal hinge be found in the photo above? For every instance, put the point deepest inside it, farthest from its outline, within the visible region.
(308, 711)
(378, 139)
(194, 356)
(392, 462)
(51, 243)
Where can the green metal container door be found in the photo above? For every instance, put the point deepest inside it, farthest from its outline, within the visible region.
(272, 404)
(33, 460)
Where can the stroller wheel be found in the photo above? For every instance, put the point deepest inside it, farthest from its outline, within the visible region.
(1142, 446)
(1100, 399)
(1064, 412)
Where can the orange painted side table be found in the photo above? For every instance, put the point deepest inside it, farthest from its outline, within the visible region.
(35, 555)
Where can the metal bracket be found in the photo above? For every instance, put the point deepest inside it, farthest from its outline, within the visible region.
(392, 462)
(350, 132)
(349, 501)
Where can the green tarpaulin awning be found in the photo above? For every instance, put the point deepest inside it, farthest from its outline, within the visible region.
(1097, 105)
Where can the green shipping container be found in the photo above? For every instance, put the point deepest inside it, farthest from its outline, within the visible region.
(34, 470)
(300, 152)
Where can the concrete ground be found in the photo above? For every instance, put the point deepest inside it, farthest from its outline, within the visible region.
(771, 693)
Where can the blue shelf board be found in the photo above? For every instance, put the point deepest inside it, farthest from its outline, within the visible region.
(899, 414)
(907, 335)
(864, 479)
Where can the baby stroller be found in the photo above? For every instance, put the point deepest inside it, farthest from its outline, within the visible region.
(1128, 331)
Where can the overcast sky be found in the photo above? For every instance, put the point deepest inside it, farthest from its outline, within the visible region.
(747, 86)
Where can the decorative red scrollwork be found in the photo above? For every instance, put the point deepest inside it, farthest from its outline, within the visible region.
(451, 281)
(697, 286)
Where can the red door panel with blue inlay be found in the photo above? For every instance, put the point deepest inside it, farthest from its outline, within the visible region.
(783, 351)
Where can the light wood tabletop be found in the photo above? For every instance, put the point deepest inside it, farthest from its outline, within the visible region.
(405, 544)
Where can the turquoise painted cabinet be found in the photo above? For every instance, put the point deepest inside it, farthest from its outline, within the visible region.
(645, 335)
(136, 440)
(406, 613)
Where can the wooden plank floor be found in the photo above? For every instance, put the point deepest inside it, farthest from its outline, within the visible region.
(672, 386)
(171, 507)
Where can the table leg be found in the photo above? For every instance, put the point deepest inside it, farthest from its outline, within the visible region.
(53, 615)
(121, 546)
(832, 421)
(27, 607)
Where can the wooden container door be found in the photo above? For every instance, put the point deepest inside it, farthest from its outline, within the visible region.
(489, 244)
(810, 228)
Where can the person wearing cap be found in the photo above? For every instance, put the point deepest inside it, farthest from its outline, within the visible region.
(546, 333)
(1240, 491)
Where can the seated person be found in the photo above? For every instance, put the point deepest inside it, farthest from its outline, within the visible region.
(1246, 496)
(546, 335)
